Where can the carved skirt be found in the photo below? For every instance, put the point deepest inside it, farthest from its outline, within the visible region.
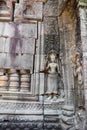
(52, 84)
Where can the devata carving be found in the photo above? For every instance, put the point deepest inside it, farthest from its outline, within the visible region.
(54, 88)
(78, 73)
(53, 71)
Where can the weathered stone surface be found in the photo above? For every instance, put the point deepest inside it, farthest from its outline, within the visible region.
(2, 27)
(84, 43)
(51, 43)
(24, 50)
(2, 60)
(83, 14)
(7, 29)
(19, 45)
(51, 25)
(18, 30)
(2, 44)
(14, 60)
(51, 8)
(24, 61)
(28, 30)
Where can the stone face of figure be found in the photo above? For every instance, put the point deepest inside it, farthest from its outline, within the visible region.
(52, 82)
(78, 71)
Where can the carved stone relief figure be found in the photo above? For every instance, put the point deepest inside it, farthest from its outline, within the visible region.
(52, 70)
(78, 74)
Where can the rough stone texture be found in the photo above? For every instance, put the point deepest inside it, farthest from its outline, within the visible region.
(17, 30)
(40, 28)
(51, 30)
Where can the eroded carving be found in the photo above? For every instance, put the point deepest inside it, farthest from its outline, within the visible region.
(78, 76)
(54, 87)
(53, 71)
(71, 120)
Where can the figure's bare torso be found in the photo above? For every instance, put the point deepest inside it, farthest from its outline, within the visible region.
(53, 68)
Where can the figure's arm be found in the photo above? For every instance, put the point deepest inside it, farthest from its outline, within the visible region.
(58, 70)
(46, 69)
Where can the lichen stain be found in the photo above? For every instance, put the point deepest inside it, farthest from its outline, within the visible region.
(15, 41)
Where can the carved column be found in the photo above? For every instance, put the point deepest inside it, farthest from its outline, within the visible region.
(67, 25)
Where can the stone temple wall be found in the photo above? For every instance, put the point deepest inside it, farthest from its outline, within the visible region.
(42, 64)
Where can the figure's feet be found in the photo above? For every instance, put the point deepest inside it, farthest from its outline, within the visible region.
(48, 99)
(54, 98)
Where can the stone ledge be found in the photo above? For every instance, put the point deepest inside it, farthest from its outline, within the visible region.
(21, 110)
(9, 95)
(29, 126)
